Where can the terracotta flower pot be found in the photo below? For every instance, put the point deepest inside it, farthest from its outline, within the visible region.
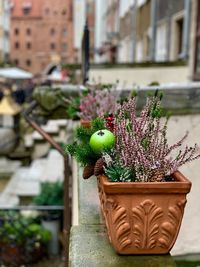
(85, 123)
(143, 218)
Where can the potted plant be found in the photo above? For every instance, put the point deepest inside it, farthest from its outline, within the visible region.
(142, 193)
(23, 240)
(51, 194)
(95, 101)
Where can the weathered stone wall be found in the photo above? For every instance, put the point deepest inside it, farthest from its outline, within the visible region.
(141, 76)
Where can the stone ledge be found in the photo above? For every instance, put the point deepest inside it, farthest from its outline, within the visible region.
(89, 246)
(89, 210)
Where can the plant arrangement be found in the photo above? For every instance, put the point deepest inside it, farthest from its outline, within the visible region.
(139, 151)
(141, 144)
(142, 193)
(23, 239)
(95, 101)
(98, 103)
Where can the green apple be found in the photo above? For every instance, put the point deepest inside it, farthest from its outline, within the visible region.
(101, 140)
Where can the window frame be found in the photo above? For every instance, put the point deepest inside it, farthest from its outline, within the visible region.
(196, 74)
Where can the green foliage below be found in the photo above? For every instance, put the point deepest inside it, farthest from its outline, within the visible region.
(81, 149)
(22, 230)
(51, 194)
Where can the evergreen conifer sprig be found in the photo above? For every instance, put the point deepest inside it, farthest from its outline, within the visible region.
(81, 149)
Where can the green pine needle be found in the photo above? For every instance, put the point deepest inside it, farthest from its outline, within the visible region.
(83, 134)
(81, 149)
(69, 148)
(85, 155)
(97, 124)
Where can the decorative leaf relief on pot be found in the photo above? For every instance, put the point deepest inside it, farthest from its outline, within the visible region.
(119, 219)
(169, 228)
(146, 224)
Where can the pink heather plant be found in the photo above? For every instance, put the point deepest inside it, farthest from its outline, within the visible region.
(97, 103)
(141, 142)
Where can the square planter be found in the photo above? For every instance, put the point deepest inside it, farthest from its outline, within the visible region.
(143, 218)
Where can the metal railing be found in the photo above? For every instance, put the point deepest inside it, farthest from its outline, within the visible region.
(67, 206)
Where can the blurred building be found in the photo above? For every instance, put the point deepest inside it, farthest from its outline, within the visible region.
(79, 13)
(90, 16)
(107, 30)
(149, 31)
(41, 33)
(4, 30)
(84, 11)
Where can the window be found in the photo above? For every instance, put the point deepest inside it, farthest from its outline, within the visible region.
(64, 32)
(28, 45)
(179, 30)
(46, 11)
(52, 31)
(16, 61)
(43, 65)
(197, 48)
(1, 120)
(28, 31)
(64, 11)
(161, 42)
(53, 46)
(16, 31)
(26, 6)
(64, 47)
(17, 45)
(28, 62)
(26, 11)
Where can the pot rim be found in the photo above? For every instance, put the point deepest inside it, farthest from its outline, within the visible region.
(180, 185)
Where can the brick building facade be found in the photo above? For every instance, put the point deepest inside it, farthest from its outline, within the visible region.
(41, 33)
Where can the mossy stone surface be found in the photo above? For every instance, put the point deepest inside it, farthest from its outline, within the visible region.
(89, 210)
(89, 247)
